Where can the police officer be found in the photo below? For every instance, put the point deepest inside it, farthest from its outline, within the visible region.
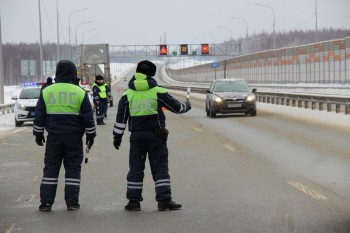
(141, 104)
(64, 110)
(100, 92)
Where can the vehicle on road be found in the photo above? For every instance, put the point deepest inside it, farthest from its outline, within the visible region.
(25, 104)
(230, 96)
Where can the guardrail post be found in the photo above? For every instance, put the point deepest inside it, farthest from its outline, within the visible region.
(293, 103)
(282, 101)
(313, 105)
(277, 100)
(300, 102)
(306, 104)
(287, 102)
(320, 106)
(337, 108)
(347, 109)
(329, 107)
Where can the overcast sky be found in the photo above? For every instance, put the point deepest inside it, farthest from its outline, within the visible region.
(146, 22)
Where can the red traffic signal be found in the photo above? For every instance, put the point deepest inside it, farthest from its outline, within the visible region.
(163, 50)
(205, 49)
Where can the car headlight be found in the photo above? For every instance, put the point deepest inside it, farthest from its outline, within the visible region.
(21, 106)
(250, 98)
(218, 99)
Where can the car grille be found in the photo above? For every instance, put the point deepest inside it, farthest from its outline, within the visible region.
(30, 109)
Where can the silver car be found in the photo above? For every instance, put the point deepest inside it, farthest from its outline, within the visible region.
(230, 96)
(25, 105)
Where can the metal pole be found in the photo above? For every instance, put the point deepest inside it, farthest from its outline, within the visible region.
(41, 45)
(274, 33)
(70, 29)
(246, 24)
(1, 70)
(316, 21)
(58, 34)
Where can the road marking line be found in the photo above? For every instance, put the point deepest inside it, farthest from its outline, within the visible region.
(11, 228)
(231, 148)
(198, 129)
(307, 190)
(27, 199)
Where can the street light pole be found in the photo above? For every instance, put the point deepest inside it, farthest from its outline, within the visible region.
(246, 24)
(69, 30)
(82, 36)
(76, 28)
(90, 38)
(41, 45)
(274, 33)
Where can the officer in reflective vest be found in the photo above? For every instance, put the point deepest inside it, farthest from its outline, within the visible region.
(100, 93)
(64, 110)
(142, 105)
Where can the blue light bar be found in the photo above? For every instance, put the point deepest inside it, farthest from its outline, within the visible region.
(30, 84)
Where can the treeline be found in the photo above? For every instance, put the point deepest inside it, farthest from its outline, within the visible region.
(14, 53)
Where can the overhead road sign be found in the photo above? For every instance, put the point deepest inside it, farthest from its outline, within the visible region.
(184, 49)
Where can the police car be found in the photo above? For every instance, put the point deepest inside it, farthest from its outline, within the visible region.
(25, 104)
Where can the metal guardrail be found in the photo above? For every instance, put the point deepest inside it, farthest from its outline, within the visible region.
(336, 104)
(6, 108)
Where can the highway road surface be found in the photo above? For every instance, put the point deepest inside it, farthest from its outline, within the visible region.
(273, 173)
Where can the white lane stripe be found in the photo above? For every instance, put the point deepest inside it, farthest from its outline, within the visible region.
(231, 148)
(198, 129)
(11, 228)
(307, 190)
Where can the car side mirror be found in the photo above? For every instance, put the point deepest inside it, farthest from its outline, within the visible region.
(14, 97)
(254, 90)
(207, 91)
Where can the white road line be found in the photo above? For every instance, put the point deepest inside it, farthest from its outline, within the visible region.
(11, 228)
(28, 198)
(307, 190)
(231, 148)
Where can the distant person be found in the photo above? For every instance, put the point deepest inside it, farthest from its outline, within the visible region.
(100, 92)
(64, 110)
(48, 83)
(141, 107)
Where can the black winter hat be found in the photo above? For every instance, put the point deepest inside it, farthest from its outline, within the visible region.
(98, 77)
(146, 67)
(66, 72)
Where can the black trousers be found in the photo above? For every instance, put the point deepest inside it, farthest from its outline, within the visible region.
(69, 150)
(143, 143)
(101, 109)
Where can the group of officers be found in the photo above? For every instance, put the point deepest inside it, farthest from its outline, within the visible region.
(65, 113)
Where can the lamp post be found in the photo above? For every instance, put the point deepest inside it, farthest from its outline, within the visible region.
(228, 29)
(273, 11)
(41, 44)
(69, 21)
(76, 28)
(82, 36)
(246, 24)
(91, 38)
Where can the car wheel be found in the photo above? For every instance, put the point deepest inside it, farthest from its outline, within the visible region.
(18, 123)
(253, 113)
(212, 113)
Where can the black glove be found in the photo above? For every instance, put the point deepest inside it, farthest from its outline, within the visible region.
(188, 105)
(40, 139)
(117, 141)
(89, 141)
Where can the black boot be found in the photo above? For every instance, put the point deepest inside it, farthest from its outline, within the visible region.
(133, 206)
(168, 205)
(45, 207)
(73, 207)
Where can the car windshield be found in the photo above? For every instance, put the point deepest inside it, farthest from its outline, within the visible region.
(30, 93)
(231, 86)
